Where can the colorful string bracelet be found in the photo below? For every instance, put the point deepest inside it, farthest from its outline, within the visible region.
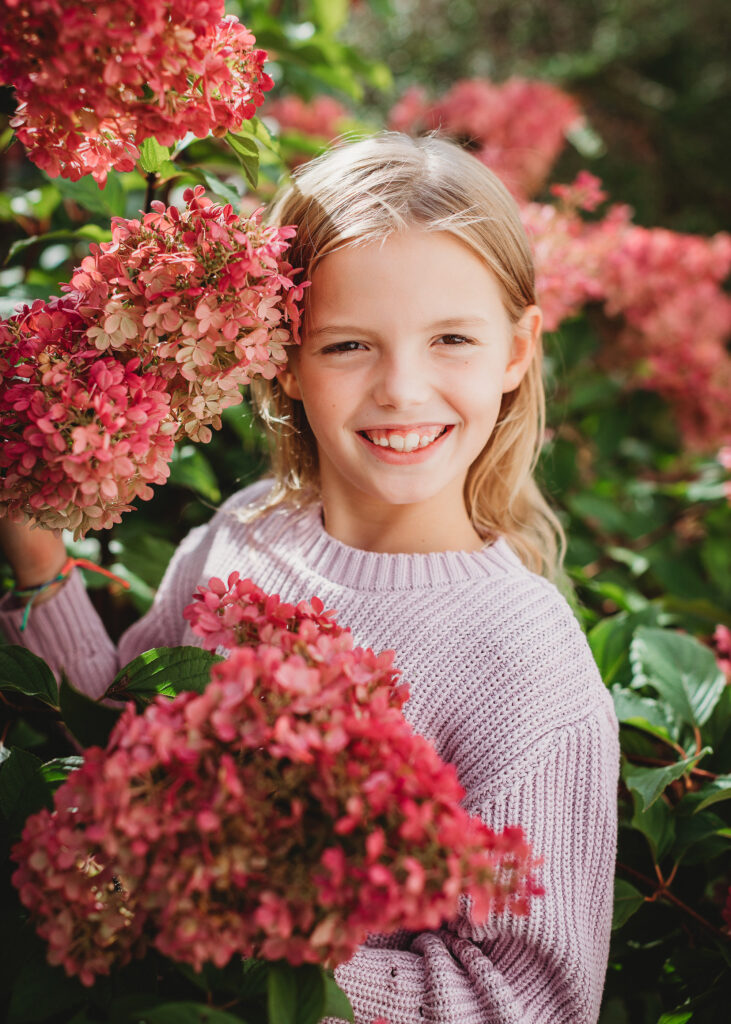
(63, 574)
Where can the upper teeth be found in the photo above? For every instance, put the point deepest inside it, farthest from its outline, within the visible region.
(403, 442)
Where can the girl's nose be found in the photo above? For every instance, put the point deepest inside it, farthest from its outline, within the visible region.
(401, 381)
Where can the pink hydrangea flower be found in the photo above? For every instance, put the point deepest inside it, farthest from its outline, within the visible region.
(204, 296)
(83, 434)
(156, 334)
(662, 291)
(286, 812)
(517, 128)
(93, 81)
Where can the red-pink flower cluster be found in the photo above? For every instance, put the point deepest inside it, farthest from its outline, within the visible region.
(286, 812)
(668, 289)
(517, 128)
(203, 295)
(83, 435)
(663, 290)
(570, 252)
(158, 330)
(94, 80)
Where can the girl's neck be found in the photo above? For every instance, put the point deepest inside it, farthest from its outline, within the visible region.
(400, 529)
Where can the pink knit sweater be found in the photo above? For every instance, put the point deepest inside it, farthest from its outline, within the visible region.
(502, 682)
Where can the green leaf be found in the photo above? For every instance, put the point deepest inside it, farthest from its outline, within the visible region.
(649, 783)
(676, 1017)
(87, 233)
(19, 791)
(627, 901)
(163, 670)
(656, 824)
(109, 201)
(57, 770)
(215, 186)
(714, 792)
(247, 153)
(681, 669)
(282, 994)
(642, 712)
(705, 830)
(310, 981)
(145, 555)
(26, 673)
(295, 995)
(610, 639)
(185, 1013)
(41, 991)
(190, 468)
(337, 1003)
(89, 721)
(153, 156)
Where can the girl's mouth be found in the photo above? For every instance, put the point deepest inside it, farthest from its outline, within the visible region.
(404, 440)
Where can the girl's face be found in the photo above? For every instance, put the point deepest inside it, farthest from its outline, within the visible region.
(406, 354)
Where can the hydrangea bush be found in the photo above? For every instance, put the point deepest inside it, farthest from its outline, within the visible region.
(285, 812)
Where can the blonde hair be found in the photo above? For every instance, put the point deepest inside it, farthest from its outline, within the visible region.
(364, 191)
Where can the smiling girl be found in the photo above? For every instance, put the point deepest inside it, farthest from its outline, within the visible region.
(405, 431)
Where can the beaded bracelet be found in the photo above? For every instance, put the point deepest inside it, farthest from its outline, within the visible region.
(63, 574)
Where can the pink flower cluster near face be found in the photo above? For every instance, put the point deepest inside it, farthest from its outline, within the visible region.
(517, 128)
(570, 252)
(83, 434)
(202, 295)
(158, 330)
(286, 812)
(662, 290)
(94, 80)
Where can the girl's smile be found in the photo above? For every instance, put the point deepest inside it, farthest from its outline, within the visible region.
(406, 354)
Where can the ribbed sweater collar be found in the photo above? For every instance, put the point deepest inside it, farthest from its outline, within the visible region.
(359, 570)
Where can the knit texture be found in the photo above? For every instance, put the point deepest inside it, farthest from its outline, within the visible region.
(502, 682)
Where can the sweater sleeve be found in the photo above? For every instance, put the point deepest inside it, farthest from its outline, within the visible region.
(67, 632)
(548, 967)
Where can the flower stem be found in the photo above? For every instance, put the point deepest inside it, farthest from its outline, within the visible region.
(662, 892)
(150, 193)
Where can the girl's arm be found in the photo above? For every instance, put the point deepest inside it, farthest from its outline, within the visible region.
(67, 632)
(549, 967)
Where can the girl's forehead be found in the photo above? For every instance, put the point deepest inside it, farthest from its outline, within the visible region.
(415, 260)
(426, 277)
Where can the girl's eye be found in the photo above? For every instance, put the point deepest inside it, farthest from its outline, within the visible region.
(343, 346)
(454, 339)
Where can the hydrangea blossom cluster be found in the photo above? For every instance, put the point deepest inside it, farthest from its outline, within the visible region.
(156, 333)
(517, 128)
(662, 291)
(94, 80)
(569, 252)
(201, 294)
(286, 812)
(668, 289)
(83, 434)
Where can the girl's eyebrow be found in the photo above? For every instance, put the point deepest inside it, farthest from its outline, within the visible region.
(438, 325)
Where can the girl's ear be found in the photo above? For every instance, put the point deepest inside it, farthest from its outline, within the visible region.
(526, 333)
(289, 383)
